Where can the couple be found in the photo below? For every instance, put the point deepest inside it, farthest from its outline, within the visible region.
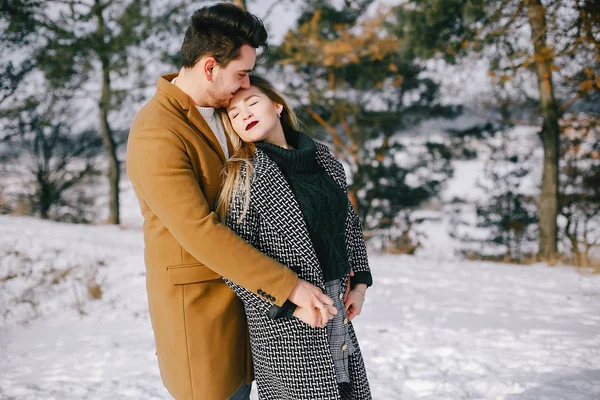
(234, 197)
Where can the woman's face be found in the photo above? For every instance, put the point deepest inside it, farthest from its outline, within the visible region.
(254, 116)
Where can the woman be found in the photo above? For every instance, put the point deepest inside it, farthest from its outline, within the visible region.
(287, 196)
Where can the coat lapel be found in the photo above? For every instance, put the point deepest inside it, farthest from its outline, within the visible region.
(185, 102)
(325, 159)
(279, 208)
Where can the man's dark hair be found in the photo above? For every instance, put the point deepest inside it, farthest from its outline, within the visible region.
(220, 31)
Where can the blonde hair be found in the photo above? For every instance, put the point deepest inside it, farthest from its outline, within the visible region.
(233, 185)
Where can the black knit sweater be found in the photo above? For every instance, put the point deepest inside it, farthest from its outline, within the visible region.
(322, 201)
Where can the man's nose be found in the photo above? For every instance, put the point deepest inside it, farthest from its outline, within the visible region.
(246, 82)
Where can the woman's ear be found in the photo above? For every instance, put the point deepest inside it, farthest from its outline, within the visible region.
(279, 108)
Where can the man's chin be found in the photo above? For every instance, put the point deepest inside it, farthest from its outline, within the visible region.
(219, 102)
(223, 103)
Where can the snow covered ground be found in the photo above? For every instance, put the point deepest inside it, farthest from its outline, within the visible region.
(431, 329)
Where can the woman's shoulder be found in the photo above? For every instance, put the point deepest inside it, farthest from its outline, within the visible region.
(328, 160)
(321, 148)
(324, 152)
(325, 155)
(259, 166)
(261, 160)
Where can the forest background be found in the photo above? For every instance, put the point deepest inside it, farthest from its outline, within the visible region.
(473, 119)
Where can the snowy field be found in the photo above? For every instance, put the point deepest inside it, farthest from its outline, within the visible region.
(431, 329)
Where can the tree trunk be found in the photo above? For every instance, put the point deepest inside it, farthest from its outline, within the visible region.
(549, 134)
(571, 234)
(114, 167)
(575, 248)
(44, 204)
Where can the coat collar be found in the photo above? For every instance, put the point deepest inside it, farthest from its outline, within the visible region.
(165, 86)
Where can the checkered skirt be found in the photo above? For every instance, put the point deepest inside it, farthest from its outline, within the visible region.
(338, 335)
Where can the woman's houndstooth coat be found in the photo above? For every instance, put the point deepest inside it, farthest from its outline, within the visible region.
(292, 361)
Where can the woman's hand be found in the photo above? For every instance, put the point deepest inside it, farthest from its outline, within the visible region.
(355, 300)
(348, 285)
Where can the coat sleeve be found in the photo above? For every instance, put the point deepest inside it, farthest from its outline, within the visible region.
(354, 233)
(161, 172)
(358, 250)
(245, 222)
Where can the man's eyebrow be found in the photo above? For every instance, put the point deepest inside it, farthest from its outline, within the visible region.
(246, 70)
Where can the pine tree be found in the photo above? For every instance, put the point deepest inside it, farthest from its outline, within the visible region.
(360, 85)
(580, 186)
(50, 161)
(505, 224)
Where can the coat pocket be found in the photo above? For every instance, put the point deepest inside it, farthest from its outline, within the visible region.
(192, 273)
(268, 332)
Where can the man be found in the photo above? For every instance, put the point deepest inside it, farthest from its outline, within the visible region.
(175, 153)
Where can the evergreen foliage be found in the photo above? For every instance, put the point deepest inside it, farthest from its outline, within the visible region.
(506, 217)
(360, 85)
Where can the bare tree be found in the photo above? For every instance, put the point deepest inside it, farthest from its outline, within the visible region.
(47, 162)
(77, 41)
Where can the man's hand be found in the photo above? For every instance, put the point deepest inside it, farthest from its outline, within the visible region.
(309, 296)
(354, 303)
(315, 318)
(313, 305)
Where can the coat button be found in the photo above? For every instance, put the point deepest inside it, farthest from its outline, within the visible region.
(346, 321)
(344, 347)
(341, 296)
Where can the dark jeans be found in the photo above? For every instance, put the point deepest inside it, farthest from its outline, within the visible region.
(243, 393)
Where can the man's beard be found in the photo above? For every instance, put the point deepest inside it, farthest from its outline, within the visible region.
(218, 99)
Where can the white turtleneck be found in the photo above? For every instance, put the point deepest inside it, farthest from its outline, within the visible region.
(208, 113)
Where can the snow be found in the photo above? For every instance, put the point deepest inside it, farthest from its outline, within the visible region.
(432, 327)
